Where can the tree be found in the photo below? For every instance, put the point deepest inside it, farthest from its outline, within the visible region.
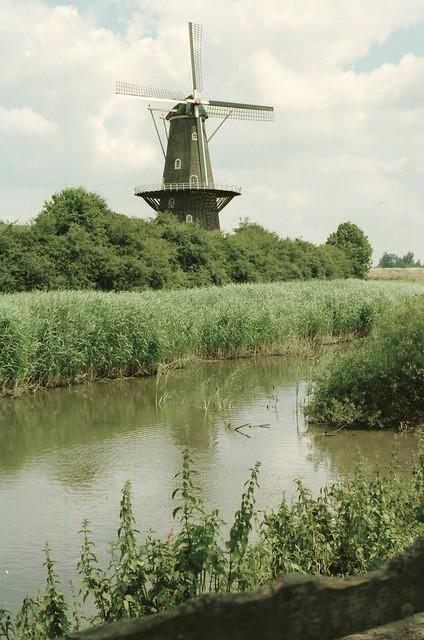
(354, 242)
(74, 206)
(77, 242)
(391, 260)
(388, 260)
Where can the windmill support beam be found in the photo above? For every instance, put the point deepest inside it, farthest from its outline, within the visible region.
(157, 131)
(218, 127)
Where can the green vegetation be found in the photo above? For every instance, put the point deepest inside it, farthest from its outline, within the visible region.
(391, 260)
(352, 240)
(351, 527)
(380, 383)
(77, 242)
(55, 338)
(411, 274)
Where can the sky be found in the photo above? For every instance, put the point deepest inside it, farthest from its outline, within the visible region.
(346, 80)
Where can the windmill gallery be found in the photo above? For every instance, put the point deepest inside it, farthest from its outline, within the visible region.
(188, 188)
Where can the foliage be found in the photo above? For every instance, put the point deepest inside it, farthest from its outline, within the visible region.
(351, 527)
(77, 242)
(44, 616)
(239, 533)
(391, 260)
(381, 383)
(354, 242)
(54, 338)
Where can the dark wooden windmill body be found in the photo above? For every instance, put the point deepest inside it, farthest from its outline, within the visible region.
(188, 188)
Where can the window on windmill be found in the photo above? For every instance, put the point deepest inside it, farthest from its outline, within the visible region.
(194, 181)
(189, 218)
(194, 135)
(177, 163)
(171, 203)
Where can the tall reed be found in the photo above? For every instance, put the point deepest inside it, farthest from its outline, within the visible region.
(56, 338)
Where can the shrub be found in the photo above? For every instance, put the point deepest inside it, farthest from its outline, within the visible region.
(77, 242)
(381, 382)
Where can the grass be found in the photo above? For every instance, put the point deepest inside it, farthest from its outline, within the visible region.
(411, 274)
(380, 383)
(57, 338)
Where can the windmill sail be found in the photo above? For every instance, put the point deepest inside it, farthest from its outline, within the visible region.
(195, 36)
(238, 110)
(130, 89)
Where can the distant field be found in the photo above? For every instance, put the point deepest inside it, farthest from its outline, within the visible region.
(412, 274)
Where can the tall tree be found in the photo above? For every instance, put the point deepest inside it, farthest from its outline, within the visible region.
(354, 242)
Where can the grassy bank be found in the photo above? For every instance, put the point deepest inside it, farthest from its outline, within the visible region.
(380, 383)
(351, 527)
(56, 338)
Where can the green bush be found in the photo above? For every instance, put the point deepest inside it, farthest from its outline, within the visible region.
(380, 383)
(77, 242)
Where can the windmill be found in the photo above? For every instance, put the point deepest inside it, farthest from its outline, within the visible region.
(188, 188)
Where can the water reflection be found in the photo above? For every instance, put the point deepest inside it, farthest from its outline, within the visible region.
(189, 401)
(342, 450)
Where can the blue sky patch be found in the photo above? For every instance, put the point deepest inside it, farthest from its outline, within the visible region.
(391, 51)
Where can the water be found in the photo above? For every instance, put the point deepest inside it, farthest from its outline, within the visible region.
(65, 455)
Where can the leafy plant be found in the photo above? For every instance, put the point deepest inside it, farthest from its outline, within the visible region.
(350, 527)
(95, 582)
(7, 627)
(380, 383)
(239, 532)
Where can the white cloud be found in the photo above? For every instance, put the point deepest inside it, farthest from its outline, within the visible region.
(120, 151)
(24, 122)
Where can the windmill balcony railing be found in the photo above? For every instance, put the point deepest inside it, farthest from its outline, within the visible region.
(186, 186)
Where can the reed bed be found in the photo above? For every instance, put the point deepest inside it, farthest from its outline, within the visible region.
(56, 338)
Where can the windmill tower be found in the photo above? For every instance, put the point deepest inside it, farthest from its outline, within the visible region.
(188, 188)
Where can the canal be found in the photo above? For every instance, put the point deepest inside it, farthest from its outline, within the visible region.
(65, 455)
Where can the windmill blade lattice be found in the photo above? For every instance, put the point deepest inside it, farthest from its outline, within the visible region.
(239, 111)
(130, 89)
(195, 36)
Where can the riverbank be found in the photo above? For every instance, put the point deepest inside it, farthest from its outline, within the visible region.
(67, 337)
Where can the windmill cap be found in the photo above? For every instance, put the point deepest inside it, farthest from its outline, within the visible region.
(186, 109)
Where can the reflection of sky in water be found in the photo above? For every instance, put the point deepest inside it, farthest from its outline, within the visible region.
(65, 455)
